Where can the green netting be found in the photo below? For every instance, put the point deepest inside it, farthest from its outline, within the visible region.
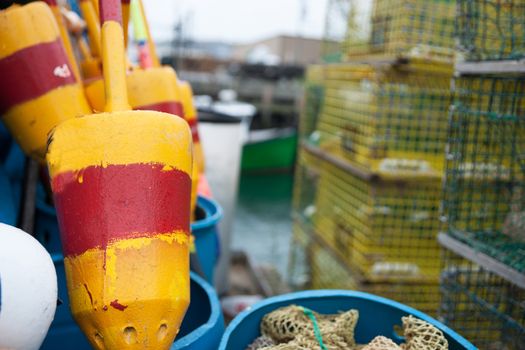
(482, 307)
(484, 203)
(491, 29)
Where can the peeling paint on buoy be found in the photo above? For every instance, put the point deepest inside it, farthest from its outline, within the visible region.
(28, 290)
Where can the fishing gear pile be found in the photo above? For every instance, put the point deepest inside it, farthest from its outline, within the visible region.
(299, 328)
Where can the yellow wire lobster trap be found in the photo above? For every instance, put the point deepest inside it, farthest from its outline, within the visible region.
(491, 29)
(315, 266)
(401, 29)
(313, 100)
(382, 228)
(387, 119)
(305, 184)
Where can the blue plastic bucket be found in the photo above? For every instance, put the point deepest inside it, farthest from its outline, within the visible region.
(8, 212)
(206, 235)
(202, 327)
(377, 316)
(46, 227)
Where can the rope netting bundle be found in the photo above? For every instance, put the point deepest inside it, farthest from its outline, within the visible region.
(421, 335)
(298, 328)
(382, 343)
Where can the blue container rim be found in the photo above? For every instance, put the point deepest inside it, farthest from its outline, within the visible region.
(213, 214)
(319, 294)
(212, 320)
(202, 329)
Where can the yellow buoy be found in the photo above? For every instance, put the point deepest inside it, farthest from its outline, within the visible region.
(39, 88)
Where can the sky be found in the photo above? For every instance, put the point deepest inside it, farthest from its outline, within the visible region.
(236, 21)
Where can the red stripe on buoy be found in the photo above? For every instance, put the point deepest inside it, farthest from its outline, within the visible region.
(101, 205)
(110, 10)
(166, 107)
(32, 72)
(194, 130)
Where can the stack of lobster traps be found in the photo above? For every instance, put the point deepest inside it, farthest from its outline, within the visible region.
(483, 281)
(371, 163)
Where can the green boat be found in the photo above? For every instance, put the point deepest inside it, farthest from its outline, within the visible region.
(270, 150)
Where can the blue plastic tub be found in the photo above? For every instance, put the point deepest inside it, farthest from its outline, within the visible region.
(8, 212)
(202, 327)
(46, 227)
(377, 316)
(206, 235)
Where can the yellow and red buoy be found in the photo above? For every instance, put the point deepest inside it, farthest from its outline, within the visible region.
(39, 88)
(121, 182)
(122, 193)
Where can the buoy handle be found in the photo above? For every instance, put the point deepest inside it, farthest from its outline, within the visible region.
(113, 56)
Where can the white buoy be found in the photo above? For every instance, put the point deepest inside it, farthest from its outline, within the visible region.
(28, 290)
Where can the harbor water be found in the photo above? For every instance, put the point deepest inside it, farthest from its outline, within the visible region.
(263, 225)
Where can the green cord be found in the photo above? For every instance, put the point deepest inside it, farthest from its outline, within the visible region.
(317, 331)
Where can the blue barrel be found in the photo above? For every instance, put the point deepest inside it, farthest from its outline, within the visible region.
(204, 230)
(46, 227)
(8, 212)
(377, 316)
(14, 166)
(202, 327)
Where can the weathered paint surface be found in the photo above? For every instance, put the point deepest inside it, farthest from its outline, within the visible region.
(38, 86)
(121, 183)
(155, 198)
(33, 71)
(28, 290)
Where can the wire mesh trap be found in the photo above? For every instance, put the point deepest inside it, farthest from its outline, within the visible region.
(382, 227)
(399, 29)
(484, 205)
(387, 119)
(314, 265)
(484, 308)
(491, 29)
(313, 100)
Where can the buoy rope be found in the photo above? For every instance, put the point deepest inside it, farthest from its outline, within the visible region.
(317, 331)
